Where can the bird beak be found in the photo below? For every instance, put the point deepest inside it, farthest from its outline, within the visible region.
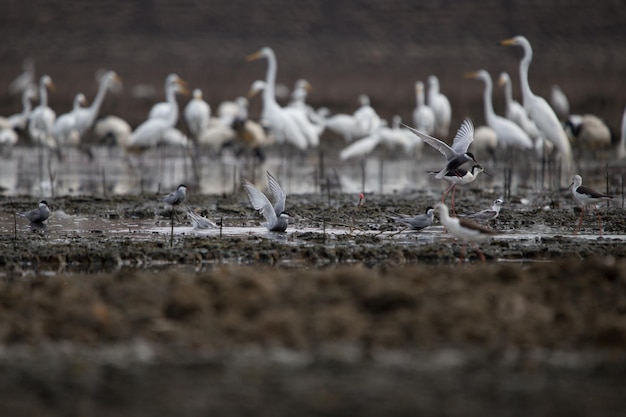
(471, 75)
(252, 93)
(308, 87)
(487, 173)
(506, 42)
(253, 56)
(51, 86)
(182, 87)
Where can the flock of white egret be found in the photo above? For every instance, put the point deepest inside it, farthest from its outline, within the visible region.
(533, 125)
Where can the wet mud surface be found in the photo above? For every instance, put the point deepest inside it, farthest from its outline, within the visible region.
(358, 319)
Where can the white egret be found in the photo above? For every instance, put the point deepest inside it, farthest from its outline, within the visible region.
(341, 124)
(514, 111)
(440, 105)
(423, 115)
(85, 117)
(538, 108)
(114, 129)
(19, 121)
(197, 114)
(559, 102)
(367, 120)
(282, 127)
(165, 109)
(485, 142)
(157, 131)
(65, 129)
(41, 122)
(509, 134)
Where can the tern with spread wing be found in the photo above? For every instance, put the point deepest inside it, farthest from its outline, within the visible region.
(456, 155)
(276, 217)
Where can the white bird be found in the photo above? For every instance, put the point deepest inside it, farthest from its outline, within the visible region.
(25, 80)
(200, 222)
(488, 214)
(65, 129)
(514, 111)
(8, 138)
(157, 131)
(298, 111)
(423, 115)
(509, 134)
(440, 105)
(367, 120)
(393, 138)
(113, 130)
(585, 196)
(457, 154)
(538, 108)
(485, 141)
(282, 127)
(229, 111)
(341, 124)
(19, 121)
(587, 131)
(419, 222)
(41, 122)
(559, 102)
(197, 114)
(464, 229)
(85, 117)
(38, 215)
(276, 217)
(164, 109)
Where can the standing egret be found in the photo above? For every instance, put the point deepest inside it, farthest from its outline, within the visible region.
(559, 102)
(538, 108)
(41, 121)
(164, 109)
(19, 121)
(155, 131)
(197, 114)
(367, 120)
(423, 115)
(509, 134)
(65, 129)
(514, 111)
(85, 117)
(282, 127)
(440, 105)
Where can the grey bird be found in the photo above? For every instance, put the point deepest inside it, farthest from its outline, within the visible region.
(418, 222)
(38, 215)
(457, 154)
(176, 197)
(488, 214)
(198, 221)
(276, 217)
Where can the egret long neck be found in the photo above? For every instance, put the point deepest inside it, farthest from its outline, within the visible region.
(270, 78)
(487, 98)
(523, 71)
(508, 93)
(170, 95)
(43, 94)
(94, 109)
(27, 106)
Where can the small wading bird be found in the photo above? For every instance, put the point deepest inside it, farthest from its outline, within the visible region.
(459, 176)
(488, 214)
(276, 217)
(418, 222)
(585, 195)
(457, 154)
(38, 215)
(464, 229)
(176, 198)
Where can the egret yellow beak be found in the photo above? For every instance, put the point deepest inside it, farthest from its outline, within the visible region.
(471, 75)
(253, 56)
(506, 42)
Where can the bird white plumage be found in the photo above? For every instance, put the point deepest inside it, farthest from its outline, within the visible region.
(65, 129)
(423, 115)
(509, 134)
(41, 122)
(197, 114)
(86, 117)
(440, 105)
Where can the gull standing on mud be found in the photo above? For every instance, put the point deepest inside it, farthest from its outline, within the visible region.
(416, 223)
(457, 154)
(464, 229)
(38, 215)
(276, 216)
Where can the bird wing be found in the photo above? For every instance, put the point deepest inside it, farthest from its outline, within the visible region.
(198, 221)
(277, 193)
(464, 137)
(361, 147)
(260, 202)
(441, 146)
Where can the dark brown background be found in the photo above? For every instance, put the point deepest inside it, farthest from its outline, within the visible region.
(344, 48)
